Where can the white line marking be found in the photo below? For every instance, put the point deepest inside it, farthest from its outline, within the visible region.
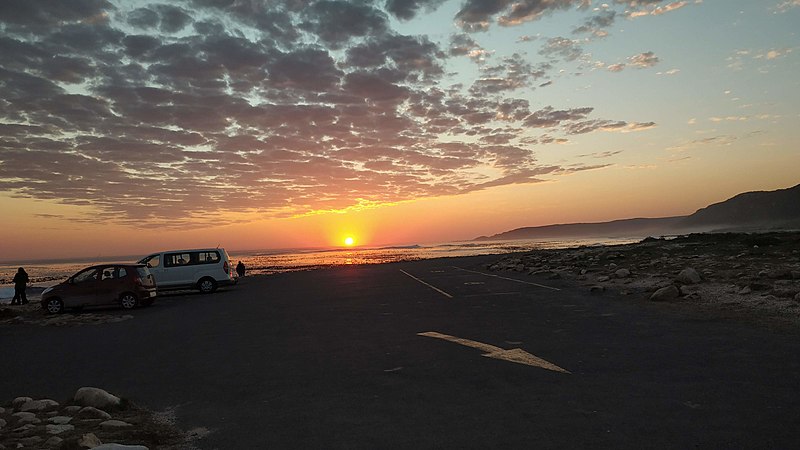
(429, 285)
(516, 355)
(509, 279)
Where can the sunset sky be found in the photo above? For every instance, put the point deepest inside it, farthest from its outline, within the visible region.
(133, 126)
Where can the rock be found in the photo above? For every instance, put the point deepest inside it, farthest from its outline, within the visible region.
(93, 413)
(757, 286)
(622, 273)
(30, 441)
(96, 397)
(54, 442)
(58, 429)
(121, 446)
(694, 296)
(689, 276)
(60, 420)
(603, 279)
(89, 440)
(25, 417)
(665, 294)
(2, 410)
(3, 423)
(597, 289)
(38, 405)
(797, 297)
(554, 276)
(779, 274)
(612, 266)
(114, 424)
(19, 401)
(72, 409)
(745, 290)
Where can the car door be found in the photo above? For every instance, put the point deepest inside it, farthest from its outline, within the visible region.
(109, 286)
(82, 288)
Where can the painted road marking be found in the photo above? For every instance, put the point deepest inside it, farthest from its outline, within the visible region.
(515, 355)
(509, 279)
(429, 285)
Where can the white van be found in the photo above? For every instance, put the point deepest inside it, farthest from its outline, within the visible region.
(204, 269)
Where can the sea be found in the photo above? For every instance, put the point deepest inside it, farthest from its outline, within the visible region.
(45, 273)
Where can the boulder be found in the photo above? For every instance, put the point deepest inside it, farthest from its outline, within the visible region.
(114, 424)
(60, 420)
(89, 440)
(54, 442)
(96, 397)
(665, 294)
(19, 401)
(113, 446)
(689, 276)
(38, 405)
(622, 273)
(90, 412)
(58, 429)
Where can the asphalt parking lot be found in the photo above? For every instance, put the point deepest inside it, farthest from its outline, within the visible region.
(426, 354)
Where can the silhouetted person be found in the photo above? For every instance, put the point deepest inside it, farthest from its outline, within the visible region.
(240, 269)
(20, 282)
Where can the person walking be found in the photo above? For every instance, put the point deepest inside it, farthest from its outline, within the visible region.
(240, 269)
(20, 282)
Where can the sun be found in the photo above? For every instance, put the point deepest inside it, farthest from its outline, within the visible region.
(349, 241)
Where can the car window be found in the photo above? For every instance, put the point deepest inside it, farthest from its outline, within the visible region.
(152, 261)
(177, 259)
(122, 272)
(207, 257)
(86, 275)
(107, 274)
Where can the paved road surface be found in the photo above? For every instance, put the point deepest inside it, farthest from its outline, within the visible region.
(335, 359)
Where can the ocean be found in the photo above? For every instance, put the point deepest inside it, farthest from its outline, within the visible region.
(50, 272)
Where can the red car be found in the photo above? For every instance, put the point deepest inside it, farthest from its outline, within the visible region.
(126, 285)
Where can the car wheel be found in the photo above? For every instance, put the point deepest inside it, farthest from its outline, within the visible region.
(128, 300)
(207, 285)
(54, 305)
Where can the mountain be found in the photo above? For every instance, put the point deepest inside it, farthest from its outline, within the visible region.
(750, 211)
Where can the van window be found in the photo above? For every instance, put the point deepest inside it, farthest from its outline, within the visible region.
(177, 259)
(207, 257)
(153, 261)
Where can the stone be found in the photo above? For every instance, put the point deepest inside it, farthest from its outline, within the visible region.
(622, 273)
(19, 401)
(26, 417)
(603, 279)
(96, 397)
(58, 429)
(554, 276)
(38, 405)
(3, 423)
(114, 424)
(54, 442)
(797, 297)
(689, 276)
(113, 446)
(30, 441)
(2, 410)
(665, 294)
(779, 274)
(60, 420)
(93, 413)
(612, 266)
(89, 440)
(694, 296)
(597, 289)
(72, 409)
(745, 290)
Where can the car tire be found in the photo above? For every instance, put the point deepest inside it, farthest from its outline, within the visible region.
(128, 300)
(54, 305)
(207, 285)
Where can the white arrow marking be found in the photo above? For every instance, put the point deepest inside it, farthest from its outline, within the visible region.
(516, 355)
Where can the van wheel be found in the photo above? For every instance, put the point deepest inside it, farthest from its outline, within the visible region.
(207, 285)
(128, 300)
(54, 306)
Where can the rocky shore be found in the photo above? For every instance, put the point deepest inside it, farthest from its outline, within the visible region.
(750, 276)
(93, 418)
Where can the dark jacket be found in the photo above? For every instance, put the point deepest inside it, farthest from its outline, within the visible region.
(21, 278)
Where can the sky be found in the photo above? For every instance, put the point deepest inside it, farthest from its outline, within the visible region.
(128, 127)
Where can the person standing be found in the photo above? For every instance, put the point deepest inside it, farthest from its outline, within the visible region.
(20, 282)
(240, 269)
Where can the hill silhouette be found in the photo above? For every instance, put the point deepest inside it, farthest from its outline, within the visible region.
(750, 211)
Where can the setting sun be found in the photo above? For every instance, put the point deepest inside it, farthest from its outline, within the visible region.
(349, 241)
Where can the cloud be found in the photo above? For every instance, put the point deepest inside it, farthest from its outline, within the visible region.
(153, 114)
(477, 15)
(787, 5)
